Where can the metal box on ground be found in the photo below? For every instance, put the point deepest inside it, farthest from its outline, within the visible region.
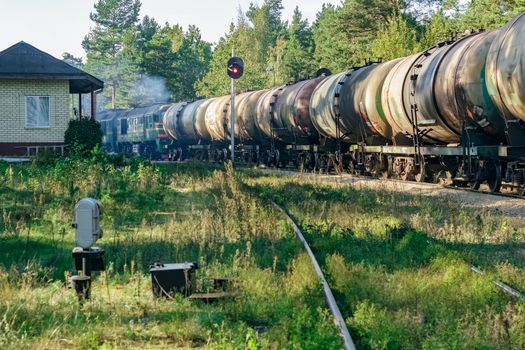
(167, 279)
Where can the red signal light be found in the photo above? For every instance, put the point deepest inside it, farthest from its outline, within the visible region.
(235, 67)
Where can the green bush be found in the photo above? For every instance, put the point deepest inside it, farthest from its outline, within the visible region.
(83, 135)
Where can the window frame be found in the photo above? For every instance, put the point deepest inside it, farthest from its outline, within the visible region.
(48, 126)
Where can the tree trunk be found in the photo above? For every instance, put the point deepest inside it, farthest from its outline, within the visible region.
(113, 95)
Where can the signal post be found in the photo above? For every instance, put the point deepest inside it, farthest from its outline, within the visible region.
(235, 71)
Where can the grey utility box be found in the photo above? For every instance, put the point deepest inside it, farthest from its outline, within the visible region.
(167, 279)
(87, 222)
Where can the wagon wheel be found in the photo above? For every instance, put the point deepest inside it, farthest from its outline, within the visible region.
(492, 170)
(521, 191)
(474, 185)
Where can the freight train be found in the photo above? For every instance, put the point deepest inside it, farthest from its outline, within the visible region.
(456, 110)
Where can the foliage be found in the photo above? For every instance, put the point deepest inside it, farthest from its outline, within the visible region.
(489, 14)
(330, 42)
(252, 37)
(179, 58)
(104, 46)
(395, 39)
(440, 28)
(298, 51)
(72, 60)
(144, 62)
(83, 135)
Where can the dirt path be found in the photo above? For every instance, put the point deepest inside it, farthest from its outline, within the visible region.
(509, 206)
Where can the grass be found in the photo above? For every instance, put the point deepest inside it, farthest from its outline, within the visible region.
(397, 263)
(151, 213)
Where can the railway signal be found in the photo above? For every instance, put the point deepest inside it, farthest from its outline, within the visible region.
(235, 71)
(235, 67)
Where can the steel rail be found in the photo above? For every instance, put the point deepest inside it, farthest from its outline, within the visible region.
(338, 317)
(505, 287)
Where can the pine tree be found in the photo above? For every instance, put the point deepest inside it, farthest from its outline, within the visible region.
(105, 42)
(253, 37)
(298, 51)
(439, 28)
(395, 39)
(72, 60)
(331, 44)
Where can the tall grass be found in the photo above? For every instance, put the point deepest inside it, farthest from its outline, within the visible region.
(399, 264)
(151, 213)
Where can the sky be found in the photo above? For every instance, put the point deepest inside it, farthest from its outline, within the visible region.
(57, 26)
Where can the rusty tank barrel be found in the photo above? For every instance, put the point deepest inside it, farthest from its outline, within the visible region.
(170, 121)
(505, 71)
(267, 121)
(360, 110)
(245, 114)
(292, 107)
(438, 90)
(461, 90)
(408, 98)
(323, 108)
(369, 100)
(240, 133)
(392, 100)
(216, 118)
(200, 120)
(187, 121)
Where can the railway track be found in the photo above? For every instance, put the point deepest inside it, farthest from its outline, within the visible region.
(338, 317)
(510, 204)
(506, 289)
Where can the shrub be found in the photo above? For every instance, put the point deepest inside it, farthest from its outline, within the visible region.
(83, 135)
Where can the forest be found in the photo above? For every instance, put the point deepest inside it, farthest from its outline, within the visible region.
(142, 61)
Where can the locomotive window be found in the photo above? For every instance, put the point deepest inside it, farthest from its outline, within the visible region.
(148, 120)
(124, 126)
(37, 112)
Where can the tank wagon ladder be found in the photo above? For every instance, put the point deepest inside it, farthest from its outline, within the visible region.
(417, 133)
(338, 161)
(273, 155)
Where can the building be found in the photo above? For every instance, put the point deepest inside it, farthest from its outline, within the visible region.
(35, 99)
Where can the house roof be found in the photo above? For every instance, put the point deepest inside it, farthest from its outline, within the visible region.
(24, 61)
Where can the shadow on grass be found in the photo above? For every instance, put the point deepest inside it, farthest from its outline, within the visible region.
(397, 247)
(56, 256)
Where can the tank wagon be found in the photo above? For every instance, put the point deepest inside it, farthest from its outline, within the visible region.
(455, 110)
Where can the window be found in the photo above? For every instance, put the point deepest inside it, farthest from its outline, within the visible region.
(37, 111)
(124, 126)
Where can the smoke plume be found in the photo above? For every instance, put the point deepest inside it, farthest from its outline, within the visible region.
(149, 90)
